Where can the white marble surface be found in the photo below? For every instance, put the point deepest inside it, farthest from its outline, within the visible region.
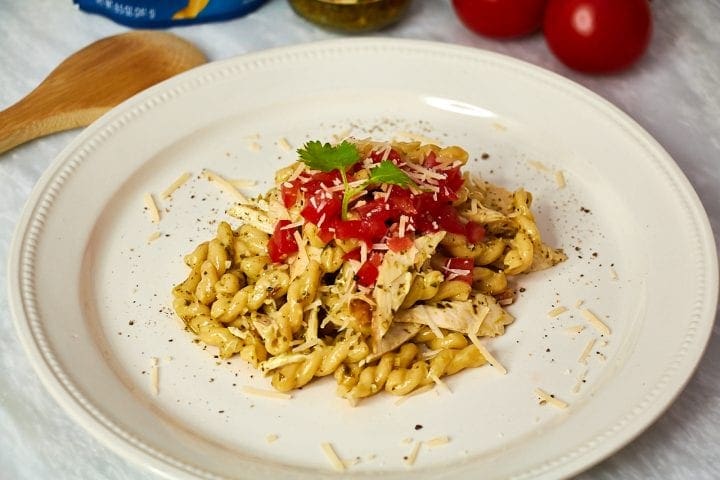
(674, 93)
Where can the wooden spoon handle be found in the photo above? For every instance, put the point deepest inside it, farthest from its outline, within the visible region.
(28, 120)
(95, 79)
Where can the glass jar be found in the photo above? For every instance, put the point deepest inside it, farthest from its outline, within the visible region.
(352, 16)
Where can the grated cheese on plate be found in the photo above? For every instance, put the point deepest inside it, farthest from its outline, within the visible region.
(284, 144)
(418, 391)
(266, 393)
(333, 457)
(271, 438)
(613, 274)
(440, 383)
(557, 311)
(412, 456)
(586, 351)
(154, 377)
(545, 397)
(595, 322)
(179, 182)
(560, 179)
(539, 166)
(485, 353)
(152, 208)
(224, 185)
(575, 329)
(153, 236)
(437, 441)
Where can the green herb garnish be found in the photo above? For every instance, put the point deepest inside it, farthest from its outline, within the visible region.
(326, 158)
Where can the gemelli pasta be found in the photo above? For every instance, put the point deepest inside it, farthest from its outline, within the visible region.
(381, 264)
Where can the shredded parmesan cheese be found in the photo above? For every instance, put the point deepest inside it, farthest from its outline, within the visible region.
(254, 147)
(539, 166)
(416, 137)
(437, 441)
(485, 353)
(412, 456)
(575, 329)
(224, 185)
(557, 311)
(179, 182)
(154, 376)
(152, 208)
(579, 303)
(560, 179)
(265, 393)
(284, 144)
(153, 236)
(443, 386)
(545, 397)
(271, 438)
(595, 322)
(333, 457)
(418, 391)
(586, 351)
(242, 183)
(580, 381)
(613, 274)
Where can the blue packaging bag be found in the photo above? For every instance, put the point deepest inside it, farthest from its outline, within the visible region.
(168, 13)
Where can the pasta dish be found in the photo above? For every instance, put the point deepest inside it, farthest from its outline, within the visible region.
(382, 264)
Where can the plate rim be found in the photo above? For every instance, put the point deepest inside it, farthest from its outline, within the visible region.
(27, 323)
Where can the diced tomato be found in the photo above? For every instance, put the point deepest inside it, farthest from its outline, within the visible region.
(318, 205)
(282, 242)
(400, 244)
(393, 156)
(352, 255)
(455, 265)
(431, 160)
(368, 272)
(328, 179)
(474, 232)
(450, 185)
(401, 201)
(290, 193)
(347, 229)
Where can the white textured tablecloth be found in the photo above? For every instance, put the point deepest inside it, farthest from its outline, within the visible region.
(674, 93)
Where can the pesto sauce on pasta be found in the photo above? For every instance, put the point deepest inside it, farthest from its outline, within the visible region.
(385, 286)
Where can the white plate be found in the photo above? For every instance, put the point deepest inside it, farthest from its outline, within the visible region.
(91, 296)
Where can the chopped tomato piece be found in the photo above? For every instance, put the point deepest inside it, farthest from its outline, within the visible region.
(319, 207)
(474, 232)
(393, 156)
(368, 272)
(282, 242)
(450, 185)
(290, 191)
(460, 269)
(431, 160)
(352, 255)
(400, 244)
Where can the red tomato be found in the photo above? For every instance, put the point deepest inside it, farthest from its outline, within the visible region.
(460, 265)
(317, 205)
(598, 35)
(501, 18)
(282, 243)
(474, 232)
(368, 272)
(400, 244)
(290, 193)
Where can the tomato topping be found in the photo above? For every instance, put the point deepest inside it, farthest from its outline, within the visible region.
(460, 269)
(450, 185)
(400, 244)
(289, 194)
(282, 242)
(318, 205)
(474, 232)
(368, 272)
(394, 156)
(352, 255)
(431, 160)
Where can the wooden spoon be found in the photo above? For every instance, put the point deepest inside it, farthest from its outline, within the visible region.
(93, 80)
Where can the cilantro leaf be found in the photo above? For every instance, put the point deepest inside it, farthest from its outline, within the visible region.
(326, 157)
(388, 172)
